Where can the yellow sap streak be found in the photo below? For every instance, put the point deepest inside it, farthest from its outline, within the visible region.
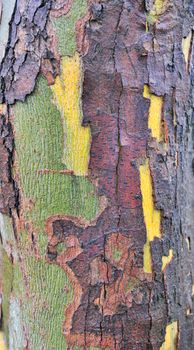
(170, 337)
(155, 12)
(67, 95)
(155, 113)
(193, 289)
(2, 343)
(167, 259)
(186, 44)
(158, 6)
(3, 108)
(152, 216)
(188, 312)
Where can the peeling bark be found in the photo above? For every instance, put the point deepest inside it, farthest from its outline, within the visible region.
(96, 140)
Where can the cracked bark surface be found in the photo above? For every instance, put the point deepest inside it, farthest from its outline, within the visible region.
(82, 265)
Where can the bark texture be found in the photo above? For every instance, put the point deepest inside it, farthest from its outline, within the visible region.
(96, 159)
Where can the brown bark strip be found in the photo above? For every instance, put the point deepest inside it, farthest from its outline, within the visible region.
(114, 106)
(8, 188)
(61, 7)
(106, 101)
(26, 47)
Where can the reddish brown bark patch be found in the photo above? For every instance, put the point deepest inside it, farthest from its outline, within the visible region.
(8, 191)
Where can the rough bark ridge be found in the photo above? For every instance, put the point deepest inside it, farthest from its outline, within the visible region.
(97, 237)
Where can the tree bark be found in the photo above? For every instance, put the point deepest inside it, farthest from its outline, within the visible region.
(96, 174)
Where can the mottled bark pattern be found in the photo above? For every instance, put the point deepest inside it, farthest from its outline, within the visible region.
(124, 46)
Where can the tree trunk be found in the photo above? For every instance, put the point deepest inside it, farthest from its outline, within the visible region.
(96, 174)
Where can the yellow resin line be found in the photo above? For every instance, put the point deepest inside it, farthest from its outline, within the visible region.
(2, 342)
(186, 44)
(167, 259)
(193, 289)
(188, 312)
(152, 216)
(170, 337)
(158, 6)
(155, 113)
(154, 13)
(67, 96)
(3, 108)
